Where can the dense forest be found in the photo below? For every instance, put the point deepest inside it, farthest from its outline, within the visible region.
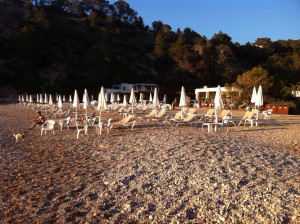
(59, 45)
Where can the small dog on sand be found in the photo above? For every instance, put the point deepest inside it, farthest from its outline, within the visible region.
(19, 137)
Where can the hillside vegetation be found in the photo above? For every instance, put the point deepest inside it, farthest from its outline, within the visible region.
(56, 46)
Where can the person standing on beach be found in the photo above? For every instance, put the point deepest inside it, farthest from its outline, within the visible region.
(41, 120)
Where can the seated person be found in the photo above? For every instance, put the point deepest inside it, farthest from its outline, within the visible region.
(41, 120)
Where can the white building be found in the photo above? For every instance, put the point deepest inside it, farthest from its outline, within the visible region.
(205, 91)
(123, 87)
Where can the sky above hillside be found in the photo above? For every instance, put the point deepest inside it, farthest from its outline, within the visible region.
(243, 20)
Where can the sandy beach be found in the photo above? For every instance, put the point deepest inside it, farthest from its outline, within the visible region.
(153, 174)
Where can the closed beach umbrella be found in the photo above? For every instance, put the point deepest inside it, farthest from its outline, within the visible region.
(101, 103)
(20, 98)
(56, 97)
(64, 98)
(125, 100)
(112, 97)
(165, 98)
(118, 98)
(37, 98)
(50, 100)
(183, 101)
(86, 101)
(150, 98)
(26, 98)
(75, 102)
(41, 99)
(253, 98)
(218, 102)
(59, 103)
(70, 99)
(46, 99)
(259, 100)
(155, 97)
(132, 99)
(92, 97)
(23, 100)
(141, 97)
(106, 97)
(30, 99)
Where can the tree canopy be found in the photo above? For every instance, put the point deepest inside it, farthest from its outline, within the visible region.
(61, 45)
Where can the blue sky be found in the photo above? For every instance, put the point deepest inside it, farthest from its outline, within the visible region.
(242, 20)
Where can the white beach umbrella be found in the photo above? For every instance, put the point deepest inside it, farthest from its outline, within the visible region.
(20, 98)
(141, 97)
(23, 100)
(64, 98)
(50, 102)
(183, 101)
(46, 99)
(86, 102)
(150, 98)
(101, 103)
(41, 99)
(56, 96)
(76, 102)
(125, 100)
(37, 98)
(92, 97)
(218, 102)
(30, 99)
(106, 97)
(118, 98)
(26, 98)
(112, 97)
(132, 99)
(253, 98)
(165, 98)
(259, 100)
(155, 98)
(59, 103)
(70, 99)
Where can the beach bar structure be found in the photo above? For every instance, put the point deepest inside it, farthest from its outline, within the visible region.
(206, 92)
(124, 87)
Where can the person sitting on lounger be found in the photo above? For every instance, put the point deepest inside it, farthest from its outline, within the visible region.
(41, 120)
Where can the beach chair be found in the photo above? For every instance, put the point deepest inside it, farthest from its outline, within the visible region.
(65, 122)
(251, 119)
(160, 116)
(125, 122)
(187, 121)
(247, 115)
(48, 126)
(209, 114)
(80, 129)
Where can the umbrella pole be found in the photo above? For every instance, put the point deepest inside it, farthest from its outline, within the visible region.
(76, 115)
(100, 131)
(216, 115)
